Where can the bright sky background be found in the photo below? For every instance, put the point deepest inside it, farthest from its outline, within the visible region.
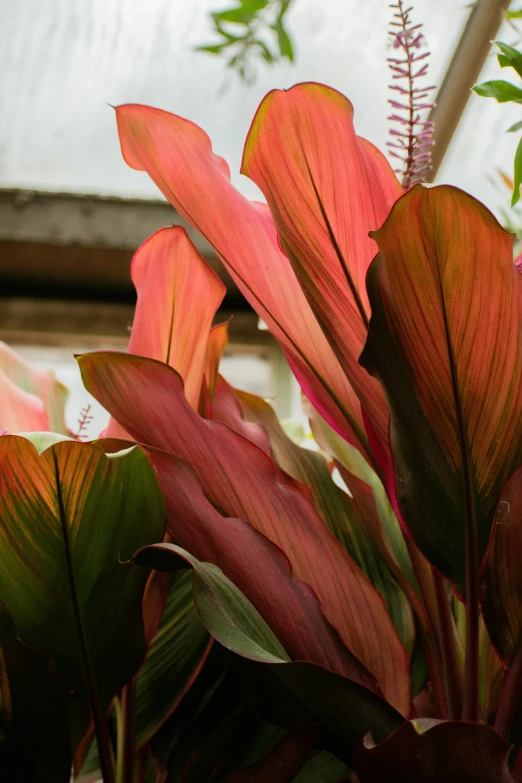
(62, 61)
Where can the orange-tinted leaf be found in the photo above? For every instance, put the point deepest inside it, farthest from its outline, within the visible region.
(326, 189)
(178, 295)
(147, 398)
(66, 517)
(178, 157)
(216, 346)
(445, 341)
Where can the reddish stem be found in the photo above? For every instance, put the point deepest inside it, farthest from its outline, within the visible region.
(510, 695)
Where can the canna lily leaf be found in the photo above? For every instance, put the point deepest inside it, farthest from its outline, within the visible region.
(444, 340)
(341, 513)
(66, 517)
(178, 157)
(326, 189)
(249, 559)
(33, 381)
(436, 752)
(344, 706)
(178, 296)
(34, 726)
(238, 478)
(174, 659)
(224, 610)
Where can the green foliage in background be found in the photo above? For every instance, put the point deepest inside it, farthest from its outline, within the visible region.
(506, 92)
(248, 30)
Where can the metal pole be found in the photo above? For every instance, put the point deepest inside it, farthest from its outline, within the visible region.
(463, 72)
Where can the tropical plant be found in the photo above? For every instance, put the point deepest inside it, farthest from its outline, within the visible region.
(196, 598)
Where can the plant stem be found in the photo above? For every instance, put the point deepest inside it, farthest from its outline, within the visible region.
(451, 664)
(100, 723)
(429, 624)
(510, 695)
(125, 723)
(471, 707)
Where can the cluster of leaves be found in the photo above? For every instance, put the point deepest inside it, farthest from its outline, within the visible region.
(249, 30)
(506, 92)
(193, 597)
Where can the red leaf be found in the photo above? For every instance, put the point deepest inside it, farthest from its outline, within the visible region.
(326, 189)
(178, 156)
(242, 481)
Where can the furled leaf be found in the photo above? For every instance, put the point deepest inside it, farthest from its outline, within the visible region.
(436, 752)
(444, 340)
(41, 383)
(344, 706)
(174, 658)
(34, 719)
(516, 127)
(509, 57)
(517, 175)
(178, 295)
(238, 478)
(216, 346)
(178, 156)
(67, 516)
(326, 190)
(500, 90)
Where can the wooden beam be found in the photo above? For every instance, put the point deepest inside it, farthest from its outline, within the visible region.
(463, 72)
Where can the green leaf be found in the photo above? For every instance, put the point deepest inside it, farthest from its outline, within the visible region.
(514, 14)
(67, 518)
(212, 48)
(34, 727)
(516, 127)
(500, 90)
(283, 39)
(346, 708)
(510, 57)
(174, 658)
(517, 175)
(224, 610)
